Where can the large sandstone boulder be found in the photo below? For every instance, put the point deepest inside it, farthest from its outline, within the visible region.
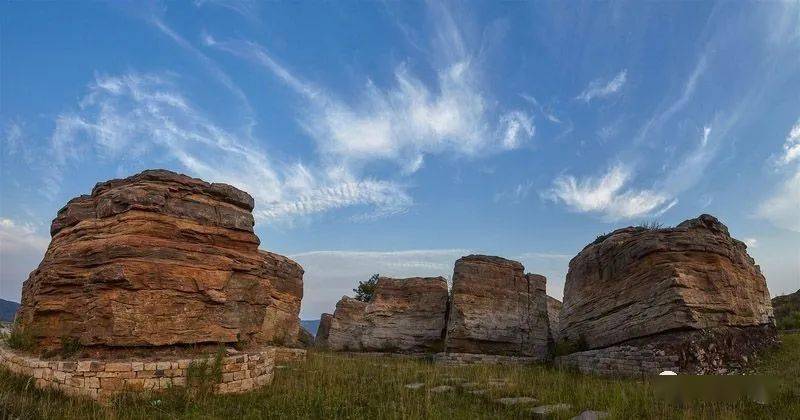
(160, 259)
(347, 325)
(404, 315)
(497, 309)
(636, 283)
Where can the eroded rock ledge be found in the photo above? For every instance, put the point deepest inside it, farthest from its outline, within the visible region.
(405, 315)
(494, 309)
(690, 293)
(160, 259)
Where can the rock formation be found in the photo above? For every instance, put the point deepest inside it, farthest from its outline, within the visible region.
(323, 331)
(692, 283)
(160, 259)
(497, 309)
(404, 315)
(553, 315)
(305, 338)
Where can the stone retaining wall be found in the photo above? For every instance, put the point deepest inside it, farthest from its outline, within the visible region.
(470, 358)
(620, 361)
(290, 355)
(100, 379)
(452, 358)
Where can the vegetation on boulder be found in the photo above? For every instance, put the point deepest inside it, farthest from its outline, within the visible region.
(366, 289)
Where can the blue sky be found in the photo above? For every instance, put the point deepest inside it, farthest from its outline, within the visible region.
(395, 137)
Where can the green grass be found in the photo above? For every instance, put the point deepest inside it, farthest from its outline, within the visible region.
(335, 386)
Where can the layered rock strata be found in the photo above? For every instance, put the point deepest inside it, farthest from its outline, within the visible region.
(693, 283)
(160, 259)
(553, 315)
(404, 315)
(497, 309)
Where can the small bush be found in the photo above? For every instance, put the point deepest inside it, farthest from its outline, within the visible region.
(70, 346)
(789, 322)
(651, 225)
(366, 289)
(20, 338)
(204, 375)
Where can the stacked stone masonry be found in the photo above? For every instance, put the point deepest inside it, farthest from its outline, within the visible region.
(290, 355)
(621, 361)
(101, 379)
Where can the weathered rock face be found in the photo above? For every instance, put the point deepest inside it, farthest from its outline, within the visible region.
(553, 314)
(305, 338)
(405, 315)
(636, 283)
(497, 309)
(323, 331)
(160, 259)
(347, 325)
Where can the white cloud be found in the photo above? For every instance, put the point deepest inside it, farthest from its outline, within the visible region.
(18, 236)
(514, 195)
(692, 166)
(21, 249)
(750, 242)
(783, 208)
(407, 120)
(126, 117)
(610, 196)
(600, 89)
(791, 148)
(543, 110)
(518, 127)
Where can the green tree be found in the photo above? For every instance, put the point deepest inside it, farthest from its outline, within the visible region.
(366, 289)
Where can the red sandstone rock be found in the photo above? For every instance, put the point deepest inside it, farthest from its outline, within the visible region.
(405, 315)
(636, 282)
(160, 259)
(497, 309)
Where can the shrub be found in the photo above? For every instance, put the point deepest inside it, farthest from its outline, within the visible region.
(366, 289)
(70, 346)
(789, 322)
(20, 338)
(651, 225)
(203, 376)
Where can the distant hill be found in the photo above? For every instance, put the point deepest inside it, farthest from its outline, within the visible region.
(311, 325)
(787, 310)
(7, 310)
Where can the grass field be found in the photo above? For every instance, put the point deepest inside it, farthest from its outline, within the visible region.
(335, 386)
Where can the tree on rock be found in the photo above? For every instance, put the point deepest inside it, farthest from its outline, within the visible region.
(366, 289)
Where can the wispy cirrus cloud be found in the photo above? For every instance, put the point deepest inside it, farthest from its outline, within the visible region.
(782, 208)
(610, 195)
(599, 89)
(130, 116)
(408, 120)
